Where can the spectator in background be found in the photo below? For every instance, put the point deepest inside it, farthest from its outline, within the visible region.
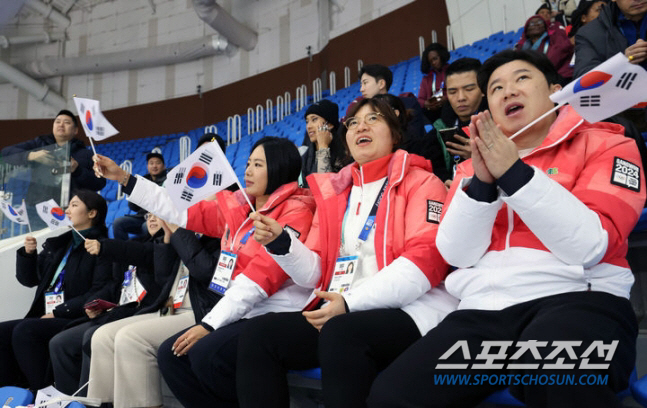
(135, 223)
(587, 11)
(48, 156)
(554, 44)
(465, 99)
(431, 95)
(325, 151)
(376, 79)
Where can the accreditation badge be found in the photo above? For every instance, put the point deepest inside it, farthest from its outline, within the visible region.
(180, 291)
(53, 299)
(223, 273)
(343, 274)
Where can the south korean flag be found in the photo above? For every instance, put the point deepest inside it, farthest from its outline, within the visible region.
(206, 171)
(52, 215)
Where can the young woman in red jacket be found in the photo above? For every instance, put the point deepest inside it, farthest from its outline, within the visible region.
(379, 214)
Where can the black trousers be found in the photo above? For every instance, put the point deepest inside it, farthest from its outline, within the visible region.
(204, 377)
(70, 366)
(414, 381)
(351, 350)
(24, 352)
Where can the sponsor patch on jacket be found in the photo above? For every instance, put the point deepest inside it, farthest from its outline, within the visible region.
(434, 208)
(292, 230)
(625, 174)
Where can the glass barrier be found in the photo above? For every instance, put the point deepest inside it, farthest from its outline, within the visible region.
(33, 176)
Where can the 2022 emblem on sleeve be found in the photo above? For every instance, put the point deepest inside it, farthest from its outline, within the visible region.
(434, 209)
(625, 174)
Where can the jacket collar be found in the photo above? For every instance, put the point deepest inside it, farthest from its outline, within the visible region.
(371, 171)
(279, 195)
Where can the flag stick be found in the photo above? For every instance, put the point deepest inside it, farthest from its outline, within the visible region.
(92, 145)
(82, 387)
(25, 207)
(245, 194)
(535, 121)
(77, 231)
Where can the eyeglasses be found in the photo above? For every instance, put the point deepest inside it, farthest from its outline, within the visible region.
(148, 216)
(536, 23)
(370, 119)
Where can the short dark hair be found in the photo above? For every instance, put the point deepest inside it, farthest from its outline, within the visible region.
(539, 61)
(380, 105)
(425, 66)
(67, 113)
(378, 72)
(396, 104)
(462, 65)
(544, 6)
(94, 201)
(209, 137)
(154, 154)
(282, 159)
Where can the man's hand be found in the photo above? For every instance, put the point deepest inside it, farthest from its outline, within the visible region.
(73, 165)
(42, 157)
(481, 171)
(266, 228)
(637, 52)
(336, 306)
(497, 151)
(186, 341)
(30, 244)
(106, 167)
(462, 149)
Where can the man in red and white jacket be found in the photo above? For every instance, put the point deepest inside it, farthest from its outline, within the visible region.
(538, 228)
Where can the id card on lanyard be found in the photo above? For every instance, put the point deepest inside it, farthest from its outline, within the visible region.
(345, 266)
(222, 276)
(55, 296)
(132, 289)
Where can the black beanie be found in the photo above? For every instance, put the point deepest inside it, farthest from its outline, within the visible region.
(326, 109)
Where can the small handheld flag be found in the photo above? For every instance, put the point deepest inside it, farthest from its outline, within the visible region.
(95, 125)
(206, 171)
(15, 214)
(52, 214)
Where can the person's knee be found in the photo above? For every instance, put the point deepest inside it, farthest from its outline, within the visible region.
(338, 333)
(165, 355)
(24, 332)
(57, 344)
(382, 394)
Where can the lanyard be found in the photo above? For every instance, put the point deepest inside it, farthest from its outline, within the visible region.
(370, 220)
(243, 240)
(60, 272)
(433, 85)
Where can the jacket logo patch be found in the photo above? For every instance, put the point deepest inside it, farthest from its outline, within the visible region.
(434, 208)
(625, 174)
(552, 171)
(292, 230)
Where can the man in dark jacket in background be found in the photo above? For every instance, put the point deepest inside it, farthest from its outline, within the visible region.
(134, 223)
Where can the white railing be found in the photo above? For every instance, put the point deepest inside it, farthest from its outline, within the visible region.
(434, 36)
(269, 107)
(259, 118)
(250, 121)
(450, 38)
(288, 103)
(421, 45)
(301, 96)
(346, 77)
(317, 93)
(332, 82)
(127, 165)
(211, 129)
(185, 147)
(360, 64)
(234, 129)
(280, 108)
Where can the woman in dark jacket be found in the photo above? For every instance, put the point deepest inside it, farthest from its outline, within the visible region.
(67, 277)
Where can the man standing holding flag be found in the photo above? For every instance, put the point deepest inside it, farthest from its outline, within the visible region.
(543, 282)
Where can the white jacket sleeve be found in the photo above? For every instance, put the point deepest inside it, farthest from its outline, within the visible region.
(465, 232)
(155, 199)
(238, 300)
(565, 225)
(300, 263)
(395, 286)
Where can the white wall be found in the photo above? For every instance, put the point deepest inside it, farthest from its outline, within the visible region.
(472, 20)
(285, 29)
